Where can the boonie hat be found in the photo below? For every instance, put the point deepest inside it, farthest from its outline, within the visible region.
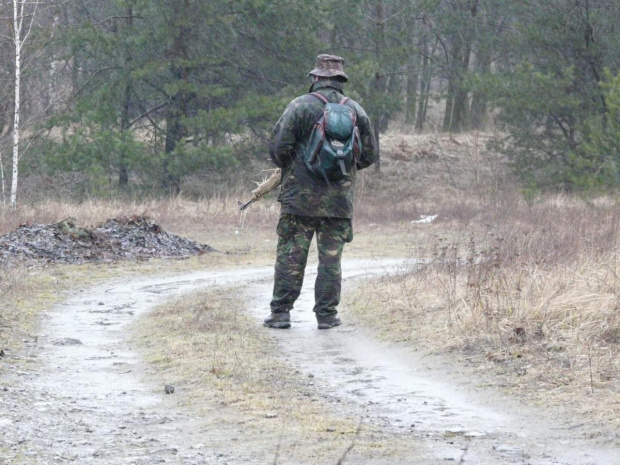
(329, 66)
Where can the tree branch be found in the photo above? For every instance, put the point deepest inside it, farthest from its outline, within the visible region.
(148, 112)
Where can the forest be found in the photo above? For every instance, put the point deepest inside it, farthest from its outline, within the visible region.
(135, 97)
(480, 301)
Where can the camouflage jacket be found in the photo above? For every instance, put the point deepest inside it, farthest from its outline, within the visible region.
(301, 193)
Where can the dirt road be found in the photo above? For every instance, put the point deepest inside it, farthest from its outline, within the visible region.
(80, 395)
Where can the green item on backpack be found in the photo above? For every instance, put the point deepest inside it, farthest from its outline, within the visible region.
(334, 145)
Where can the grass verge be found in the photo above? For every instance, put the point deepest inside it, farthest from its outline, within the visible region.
(27, 293)
(221, 361)
(23, 297)
(528, 292)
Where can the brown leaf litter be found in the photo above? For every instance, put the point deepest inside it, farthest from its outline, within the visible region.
(122, 238)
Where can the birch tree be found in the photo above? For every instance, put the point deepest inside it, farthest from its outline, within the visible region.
(24, 13)
(4, 130)
(2, 178)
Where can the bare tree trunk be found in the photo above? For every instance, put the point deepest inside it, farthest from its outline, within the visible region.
(17, 27)
(454, 76)
(425, 87)
(479, 100)
(456, 115)
(123, 174)
(20, 35)
(2, 178)
(412, 89)
(460, 108)
(380, 78)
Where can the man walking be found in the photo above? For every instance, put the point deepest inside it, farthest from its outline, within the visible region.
(311, 203)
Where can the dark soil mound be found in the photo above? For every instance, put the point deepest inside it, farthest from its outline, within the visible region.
(129, 238)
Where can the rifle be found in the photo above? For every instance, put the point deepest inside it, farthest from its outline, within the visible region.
(263, 188)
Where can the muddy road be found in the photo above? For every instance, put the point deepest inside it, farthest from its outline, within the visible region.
(79, 392)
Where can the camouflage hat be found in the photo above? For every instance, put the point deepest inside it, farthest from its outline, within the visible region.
(329, 66)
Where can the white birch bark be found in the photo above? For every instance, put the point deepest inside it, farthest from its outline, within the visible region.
(2, 178)
(19, 38)
(17, 25)
(17, 42)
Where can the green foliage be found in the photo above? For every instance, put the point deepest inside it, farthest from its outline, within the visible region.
(93, 152)
(377, 39)
(188, 158)
(170, 88)
(553, 143)
(154, 91)
(599, 155)
(551, 103)
(540, 116)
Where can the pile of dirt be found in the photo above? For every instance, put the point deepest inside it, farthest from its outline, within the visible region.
(127, 238)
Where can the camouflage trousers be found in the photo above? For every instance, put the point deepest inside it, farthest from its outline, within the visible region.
(294, 237)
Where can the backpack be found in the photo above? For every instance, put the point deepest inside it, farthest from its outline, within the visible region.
(334, 144)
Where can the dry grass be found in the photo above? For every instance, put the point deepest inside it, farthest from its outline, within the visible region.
(216, 222)
(419, 172)
(416, 172)
(217, 357)
(248, 237)
(533, 291)
(191, 217)
(24, 295)
(205, 343)
(12, 319)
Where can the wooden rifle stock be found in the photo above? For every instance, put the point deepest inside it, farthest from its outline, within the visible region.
(263, 188)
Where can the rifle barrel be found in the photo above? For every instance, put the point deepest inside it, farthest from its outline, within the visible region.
(243, 206)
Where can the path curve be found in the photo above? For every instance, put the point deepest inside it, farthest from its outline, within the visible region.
(89, 404)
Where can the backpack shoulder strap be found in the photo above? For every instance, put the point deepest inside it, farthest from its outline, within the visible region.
(319, 96)
(353, 112)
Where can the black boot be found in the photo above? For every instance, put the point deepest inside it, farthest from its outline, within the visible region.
(328, 322)
(278, 320)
